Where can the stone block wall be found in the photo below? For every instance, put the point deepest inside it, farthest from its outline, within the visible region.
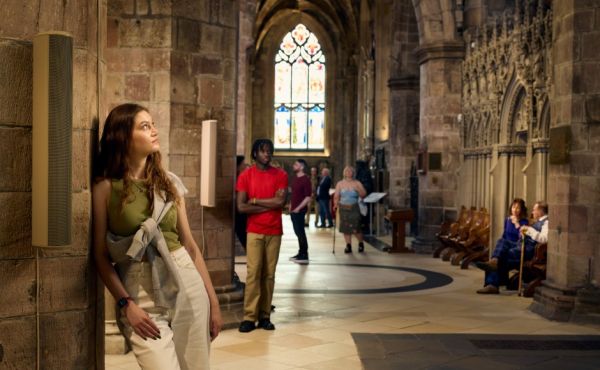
(179, 60)
(401, 151)
(59, 284)
(573, 253)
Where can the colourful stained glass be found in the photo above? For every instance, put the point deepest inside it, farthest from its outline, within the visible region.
(282, 82)
(300, 92)
(299, 132)
(316, 127)
(282, 128)
(316, 85)
(299, 82)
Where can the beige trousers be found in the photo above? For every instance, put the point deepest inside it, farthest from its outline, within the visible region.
(185, 337)
(262, 253)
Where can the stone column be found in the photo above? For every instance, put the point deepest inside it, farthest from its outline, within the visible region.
(368, 84)
(48, 296)
(179, 60)
(440, 103)
(404, 137)
(571, 288)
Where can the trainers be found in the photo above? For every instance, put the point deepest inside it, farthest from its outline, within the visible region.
(488, 289)
(303, 260)
(361, 247)
(266, 324)
(348, 248)
(247, 326)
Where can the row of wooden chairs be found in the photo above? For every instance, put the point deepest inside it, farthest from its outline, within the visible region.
(465, 240)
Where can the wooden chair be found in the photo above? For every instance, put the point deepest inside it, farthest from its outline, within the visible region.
(448, 229)
(534, 271)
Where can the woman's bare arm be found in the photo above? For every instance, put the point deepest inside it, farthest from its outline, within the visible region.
(141, 323)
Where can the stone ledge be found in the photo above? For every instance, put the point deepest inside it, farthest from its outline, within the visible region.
(553, 302)
(440, 50)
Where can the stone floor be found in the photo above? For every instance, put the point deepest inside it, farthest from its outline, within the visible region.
(321, 306)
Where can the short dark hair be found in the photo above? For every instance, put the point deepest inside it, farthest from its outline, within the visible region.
(260, 144)
(240, 159)
(303, 163)
(543, 206)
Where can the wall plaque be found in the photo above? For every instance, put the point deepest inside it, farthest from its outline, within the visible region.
(560, 144)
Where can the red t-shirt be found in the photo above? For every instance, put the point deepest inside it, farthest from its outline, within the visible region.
(261, 185)
(301, 188)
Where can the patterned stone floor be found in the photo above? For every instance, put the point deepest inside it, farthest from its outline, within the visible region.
(325, 307)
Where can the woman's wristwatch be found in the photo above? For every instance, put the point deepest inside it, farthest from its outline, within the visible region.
(124, 301)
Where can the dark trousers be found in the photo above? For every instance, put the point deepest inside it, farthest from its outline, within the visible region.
(240, 227)
(325, 212)
(509, 258)
(298, 222)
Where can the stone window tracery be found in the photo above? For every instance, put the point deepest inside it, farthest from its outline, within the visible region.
(299, 104)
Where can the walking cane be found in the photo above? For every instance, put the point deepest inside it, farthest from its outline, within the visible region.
(333, 228)
(521, 266)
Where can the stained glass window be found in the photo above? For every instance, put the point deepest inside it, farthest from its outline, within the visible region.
(300, 92)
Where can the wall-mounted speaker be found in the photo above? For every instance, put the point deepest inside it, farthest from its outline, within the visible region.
(208, 163)
(52, 139)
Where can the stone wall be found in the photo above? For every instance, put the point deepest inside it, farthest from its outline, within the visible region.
(401, 152)
(179, 60)
(58, 284)
(574, 201)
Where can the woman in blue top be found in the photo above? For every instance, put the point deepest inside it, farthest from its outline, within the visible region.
(347, 193)
(511, 235)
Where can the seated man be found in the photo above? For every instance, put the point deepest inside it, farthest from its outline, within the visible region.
(496, 271)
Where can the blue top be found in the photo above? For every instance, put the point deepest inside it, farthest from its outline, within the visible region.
(348, 197)
(511, 233)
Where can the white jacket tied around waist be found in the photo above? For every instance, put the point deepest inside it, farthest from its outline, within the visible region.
(149, 241)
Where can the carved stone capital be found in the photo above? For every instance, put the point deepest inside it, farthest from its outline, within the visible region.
(540, 144)
(511, 149)
(404, 83)
(477, 152)
(440, 50)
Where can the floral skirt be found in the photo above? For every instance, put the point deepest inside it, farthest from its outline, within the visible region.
(349, 219)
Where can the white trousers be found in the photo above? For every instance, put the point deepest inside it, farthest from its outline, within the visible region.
(185, 337)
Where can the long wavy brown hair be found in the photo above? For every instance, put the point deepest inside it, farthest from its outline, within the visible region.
(112, 161)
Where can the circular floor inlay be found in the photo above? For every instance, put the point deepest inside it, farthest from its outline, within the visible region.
(417, 279)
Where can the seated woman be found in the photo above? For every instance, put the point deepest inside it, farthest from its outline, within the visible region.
(507, 252)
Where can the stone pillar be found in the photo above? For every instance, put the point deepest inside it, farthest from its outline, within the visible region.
(48, 296)
(571, 289)
(440, 103)
(179, 60)
(368, 84)
(404, 137)
(244, 95)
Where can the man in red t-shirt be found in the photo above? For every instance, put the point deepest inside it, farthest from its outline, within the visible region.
(261, 192)
(301, 197)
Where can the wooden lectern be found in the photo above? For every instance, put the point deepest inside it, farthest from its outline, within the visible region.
(399, 218)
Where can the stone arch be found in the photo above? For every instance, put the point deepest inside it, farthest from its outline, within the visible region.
(514, 96)
(334, 24)
(435, 20)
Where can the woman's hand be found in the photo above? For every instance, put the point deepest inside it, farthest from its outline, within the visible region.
(141, 322)
(514, 220)
(216, 323)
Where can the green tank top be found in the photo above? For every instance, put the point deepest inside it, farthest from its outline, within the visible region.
(128, 221)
